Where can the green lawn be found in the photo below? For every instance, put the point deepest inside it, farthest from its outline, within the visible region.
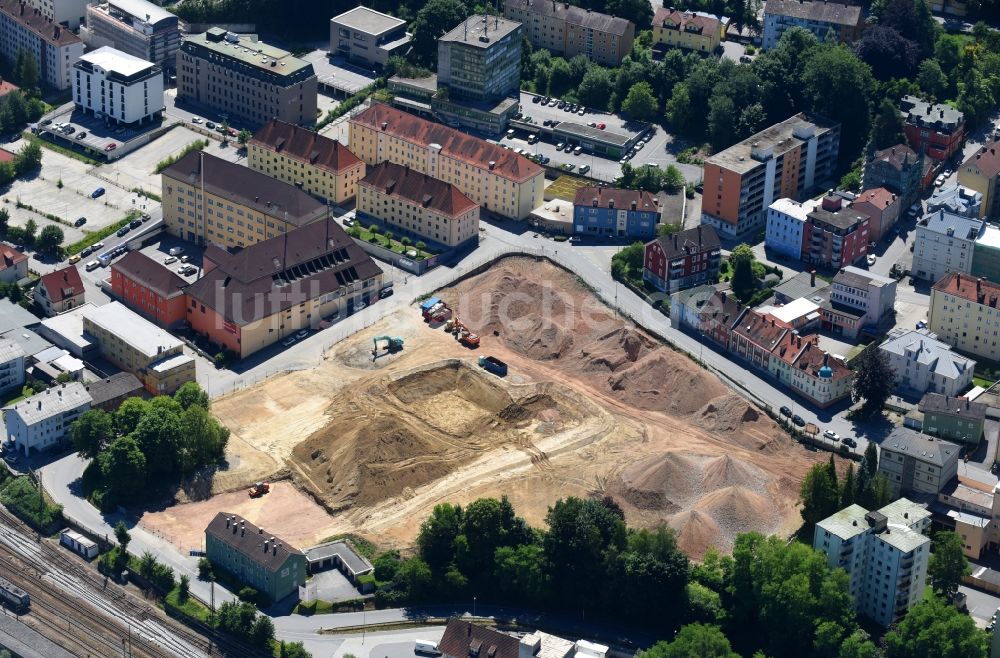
(979, 381)
(396, 246)
(190, 607)
(97, 236)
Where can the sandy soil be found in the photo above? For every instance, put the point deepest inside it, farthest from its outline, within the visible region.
(592, 406)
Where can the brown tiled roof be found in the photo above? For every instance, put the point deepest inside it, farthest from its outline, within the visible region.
(689, 241)
(954, 406)
(250, 540)
(420, 189)
(812, 358)
(454, 143)
(53, 33)
(791, 345)
(63, 283)
(621, 199)
(270, 276)
(246, 187)
(574, 15)
(968, 287)
(760, 330)
(879, 197)
(9, 257)
(722, 308)
(897, 156)
(815, 10)
(682, 20)
(464, 640)
(987, 158)
(305, 146)
(147, 272)
(6, 87)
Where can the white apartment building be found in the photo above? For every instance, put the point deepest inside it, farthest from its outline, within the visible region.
(924, 364)
(944, 243)
(118, 87)
(965, 313)
(43, 420)
(786, 220)
(11, 366)
(54, 48)
(916, 463)
(885, 554)
(871, 294)
(68, 13)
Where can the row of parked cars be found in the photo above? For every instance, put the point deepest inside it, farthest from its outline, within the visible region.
(828, 434)
(573, 108)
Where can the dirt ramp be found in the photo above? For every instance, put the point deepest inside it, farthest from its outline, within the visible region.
(733, 416)
(615, 350)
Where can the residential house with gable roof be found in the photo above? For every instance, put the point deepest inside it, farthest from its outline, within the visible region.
(255, 557)
(59, 291)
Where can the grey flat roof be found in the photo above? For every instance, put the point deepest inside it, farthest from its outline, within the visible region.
(468, 31)
(775, 140)
(368, 20)
(13, 316)
(26, 642)
(339, 548)
(29, 341)
(801, 285)
(51, 402)
(595, 134)
(133, 330)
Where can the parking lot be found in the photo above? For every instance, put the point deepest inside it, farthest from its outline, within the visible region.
(88, 134)
(337, 73)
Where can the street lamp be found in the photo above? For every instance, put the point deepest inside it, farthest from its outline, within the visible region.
(473, 607)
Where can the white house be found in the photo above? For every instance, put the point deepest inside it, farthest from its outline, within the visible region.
(43, 420)
(11, 366)
(118, 87)
(944, 243)
(786, 220)
(924, 364)
(53, 47)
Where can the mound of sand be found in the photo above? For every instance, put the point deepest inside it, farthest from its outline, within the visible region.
(662, 483)
(696, 531)
(736, 510)
(727, 471)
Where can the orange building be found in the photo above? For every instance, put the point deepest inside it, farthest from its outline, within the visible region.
(787, 160)
(149, 288)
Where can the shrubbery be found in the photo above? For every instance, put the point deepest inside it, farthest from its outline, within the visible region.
(25, 500)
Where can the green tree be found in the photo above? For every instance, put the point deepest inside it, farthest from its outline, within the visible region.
(848, 490)
(27, 72)
(436, 539)
(560, 77)
(243, 137)
(129, 413)
(839, 86)
(932, 79)
(123, 537)
(416, 577)
(191, 393)
(29, 230)
(595, 89)
(722, 118)
(91, 432)
(874, 379)
(294, 650)
(434, 19)
(520, 572)
(159, 437)
(680, 112)
(202, 439)
(262, 631)
(50, 239)
(28, 159)
(640, 103)
(947, 564)
(673, 179)
(887, 129)
(819, 495)
(934, 629)
(123, 468)
(858, 645)
(693, 641)
(4, 221)
(741, 260)
(184, 588)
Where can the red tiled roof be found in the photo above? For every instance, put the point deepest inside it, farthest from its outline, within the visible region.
(454, 143)
(622, 199)
(305, 145)
(462, 639)
(63, 283)
(971, 288)
(878, 197)
(987, 158)
(9, 257)
(812, 358)
(140, 268)
(760, 330)
(53, 33)
(420, 189)
(7, 156)
(6, 87)
(682, 19)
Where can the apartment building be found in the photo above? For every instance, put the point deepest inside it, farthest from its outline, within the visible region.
(689, 30)
(208, 199)
(568, 30)
(13, 264)
(59, 291)
(255, 558)
(688, 258)
(914, 463)
(499, 180)
(964, 313)
(117, 87)
(898, 168)
(755, 336)
(858, 299)
(137, 27)
(464, 640)
(952, 418)
(944, 243)
(986, 254)
(923, 364)
(367, 37)
(843, 21)
(149, 288)
(610, 211)
(957, 200)
(787, 160)
(42, 421)
(980, 172)
(245, 80)
(935, 129)
(12, 358)
(713, 315)
(417, 206)
(275, 288)
(480, 59)
(798, 362)
(68, 13)
(139, 347)
(885, 554)
(882, 207)
(835, 235)
(785, 229)
(318, 165)
(53, 47)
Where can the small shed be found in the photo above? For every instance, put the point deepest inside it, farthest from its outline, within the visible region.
(79, 544)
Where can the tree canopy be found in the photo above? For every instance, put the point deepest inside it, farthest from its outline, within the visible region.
(874, 380)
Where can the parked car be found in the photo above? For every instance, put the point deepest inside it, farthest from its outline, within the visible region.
(46, 122)
(601, 126)
(176, 251)
(578, 150)
(69, 130)
(169, 260)
(785, 411)
(871, 259)
(135, 223)
(288, 341)
(535, 99)
(302, 334)
(98, 246)
(849, 442)
(111, 147)
(80, 221)
(86, 251)
(82, 135)
(797, 419)
(584, 168)
(185, 258)
(385, 292)
(74, 259)
(122, 231)
(833, 436)
(195, 119)
(210, 125)
(560, 146)
(581, 111)
(592, 124)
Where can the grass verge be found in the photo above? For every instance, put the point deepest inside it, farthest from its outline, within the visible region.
(97, 236)
(190, 607)
(58, 148)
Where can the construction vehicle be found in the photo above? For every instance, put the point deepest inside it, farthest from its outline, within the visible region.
(393, 344)
(468, 338)
(494, 365)
(438, 313)
(259, 489)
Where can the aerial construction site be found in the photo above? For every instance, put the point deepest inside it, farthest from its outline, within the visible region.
(380, 431)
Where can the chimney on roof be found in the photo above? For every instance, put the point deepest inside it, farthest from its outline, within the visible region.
(385, 124)
(812, 278)
(243, 530)
(228, 521)
(611, 203)
(633, 205)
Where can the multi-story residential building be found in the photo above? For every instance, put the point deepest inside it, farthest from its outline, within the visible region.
(417, 205)
(117, 87)
(208, 199)
(43, 420)
(935, 129)
(68, 13)
(464, 640)
(835, 235)
(254, 557)
(843, 21)
(914, 463)
(311, 273)
(899, 168)
(957, 200)
(690, 30)
(717, 316)
(786, 221)
(885, 554)
(149, 288)
(944, 243)
(567, 30)
(480, 59)
(964, 313)
(882, 207)
(980, 172)
(858, 299)
(59, 291)
(137, 27)
(109, 393)
(497, 179)
(684, 259)
(139, 347)
(368, 37)
(955, 419)
(11, 366)
(245, 80)
(788, 160)
(53, 47)
(986, 254)
(924, 364)
(610, 211)
(755, 336)
(318, 165)
(799, 363)
(13, 264)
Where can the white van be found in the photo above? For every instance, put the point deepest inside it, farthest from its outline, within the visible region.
(426, 647)
(92, 265)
